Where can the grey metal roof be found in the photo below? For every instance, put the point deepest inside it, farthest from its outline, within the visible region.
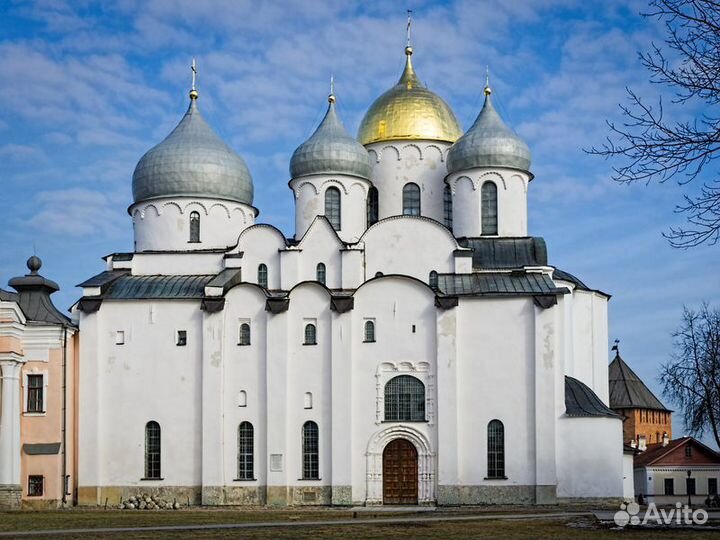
(192, 161)
(505, 253)
(332, 150)
(488, 143)
(567, 276)
(7, 296)
(580, 400)
(226, 279)
(627, 391)
(33, 295)
(103, 278)
(158, 287)
(498, 284)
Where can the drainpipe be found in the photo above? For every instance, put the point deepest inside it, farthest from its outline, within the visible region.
(64, 417)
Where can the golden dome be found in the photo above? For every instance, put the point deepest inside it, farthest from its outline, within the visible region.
(409, 111)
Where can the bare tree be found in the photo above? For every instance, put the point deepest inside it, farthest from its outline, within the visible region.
(692, 378)
(652, 148)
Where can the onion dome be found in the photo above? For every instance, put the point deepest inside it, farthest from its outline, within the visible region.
(488, 143)
(331, 150)
(409, 111)
(192, 162)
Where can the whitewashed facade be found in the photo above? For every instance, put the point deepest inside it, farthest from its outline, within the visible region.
(482, 321)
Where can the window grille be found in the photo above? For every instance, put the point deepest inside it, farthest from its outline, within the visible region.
(332, 207)
(35, 391)
(246, 451)
(447, 207)
(194, 227)
(244, 334)
(372, 206)
(320, 273)
(262, 276)
(152, 450)
(310, 334)
(688, 451)
(411, 199)
(369, 331)
(35, 485)
(433, 279)
(496, 449)
(489, 210)
(311, 452)
(404, 400)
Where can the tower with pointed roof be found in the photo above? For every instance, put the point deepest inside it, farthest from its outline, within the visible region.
(645, 415)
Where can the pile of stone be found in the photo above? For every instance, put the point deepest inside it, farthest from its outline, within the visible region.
(148, 502)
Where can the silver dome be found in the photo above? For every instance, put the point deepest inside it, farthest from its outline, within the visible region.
(330, 150)
(192, 161)
(488, 143)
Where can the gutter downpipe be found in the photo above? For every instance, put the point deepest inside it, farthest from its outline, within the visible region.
(63, 483)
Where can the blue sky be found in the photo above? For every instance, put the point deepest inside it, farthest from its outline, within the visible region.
(88, 87)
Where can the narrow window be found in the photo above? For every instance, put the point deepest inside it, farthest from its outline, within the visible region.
(489, 211)
(310, 451)
(669, 486)
(308, 400)
(120, 337)
(320, 273)
(35, 391)
(372, 206)
(332, 207)
(411, 199)
(194, 227)
(310, 335)
(246, 449)
(496, 449)
(152, 451)
(262, 276)
(181, 338)
(244, 334)
(712, 486)
(35, 485)
(688, 452)
(433, 279)
(447, 207)
(404, 399)
(369, 331)
(690, 486)
(242, 398)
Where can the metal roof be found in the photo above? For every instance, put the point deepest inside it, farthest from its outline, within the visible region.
(192, 161)
(103, 278)
(330, 150)
(7, 296)
(488, 143)
(158, 287)
(627, 391)
(33, 295)
(498, 284)
(567, 276)
(490, 253)
(581, 401)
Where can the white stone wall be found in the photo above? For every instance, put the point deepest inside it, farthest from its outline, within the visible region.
(164, 224)
(395, 163)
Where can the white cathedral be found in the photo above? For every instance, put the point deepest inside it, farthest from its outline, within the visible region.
(410, 344)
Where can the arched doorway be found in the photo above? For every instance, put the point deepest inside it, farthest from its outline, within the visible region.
(400, 473)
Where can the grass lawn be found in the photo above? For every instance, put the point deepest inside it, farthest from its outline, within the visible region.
(565, 528)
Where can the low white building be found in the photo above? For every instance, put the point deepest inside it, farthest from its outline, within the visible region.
(411, 343)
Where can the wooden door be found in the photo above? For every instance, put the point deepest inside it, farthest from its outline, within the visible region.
(400, 473)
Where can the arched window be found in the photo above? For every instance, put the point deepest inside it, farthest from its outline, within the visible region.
(405, 399)
(244, 334)
(242, 398)
(320, 273)
(332, 207)
(411, 199)
(496, 449)
(433, 279)
(379, 274)
(489, 210)
(246, 449)
(369, 331)
(310, 451)
(262, 275)
(194, 227)
(307, 402)
(152, 450)
(310, 335)
(447, 207)
(372, 206)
